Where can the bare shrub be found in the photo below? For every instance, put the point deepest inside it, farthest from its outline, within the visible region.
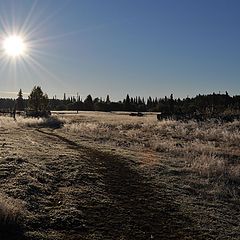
(51, 122)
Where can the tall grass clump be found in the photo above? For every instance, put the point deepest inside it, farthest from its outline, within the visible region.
(209, 165)
(11, 218)
(7, 122)
(50, 122)
(234, 173)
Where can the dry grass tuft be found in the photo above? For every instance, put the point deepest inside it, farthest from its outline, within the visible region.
(11, 215)
(7, 122)
(209, 165)
(52, 122)
(234, 174)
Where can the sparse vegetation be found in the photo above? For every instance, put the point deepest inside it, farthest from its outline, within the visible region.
(105, 175)
(210, 149)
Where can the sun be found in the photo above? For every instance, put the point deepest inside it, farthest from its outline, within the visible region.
(14, 46)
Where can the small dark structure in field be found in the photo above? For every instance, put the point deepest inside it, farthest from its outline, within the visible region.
(138, 114)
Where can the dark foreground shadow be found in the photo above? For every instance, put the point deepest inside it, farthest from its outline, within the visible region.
(11, 232)
(136, 209)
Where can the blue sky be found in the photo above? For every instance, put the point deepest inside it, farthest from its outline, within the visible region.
(115, 47)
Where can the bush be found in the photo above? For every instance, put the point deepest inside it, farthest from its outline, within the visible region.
(50, 122)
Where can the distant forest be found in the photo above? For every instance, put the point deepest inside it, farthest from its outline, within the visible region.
(211, 103)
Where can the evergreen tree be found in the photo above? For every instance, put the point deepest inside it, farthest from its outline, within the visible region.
(108, 99)
(171, 104)
(37, 100)
(127, 99)
(132, 101)
(88, 103)
(20, 101)
(127, 103)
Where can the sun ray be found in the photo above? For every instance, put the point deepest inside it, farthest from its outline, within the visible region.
(38, 26)
(27, 20)
(24, 46)
(74, 32)
(4, 24)
(4, 64)
(42, 68)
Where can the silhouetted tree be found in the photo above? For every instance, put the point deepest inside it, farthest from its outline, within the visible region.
(108, 99)
(88, 103)
(20, 101)
(127, 103)
(208, 105)
(171, 104)
(37, 100)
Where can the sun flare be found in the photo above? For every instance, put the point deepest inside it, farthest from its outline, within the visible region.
(14, 46)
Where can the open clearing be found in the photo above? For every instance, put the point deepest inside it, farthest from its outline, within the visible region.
(112, 176)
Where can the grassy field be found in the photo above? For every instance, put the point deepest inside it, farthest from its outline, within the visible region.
(98, 175)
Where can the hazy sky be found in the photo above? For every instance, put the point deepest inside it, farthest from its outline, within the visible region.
(140, 47)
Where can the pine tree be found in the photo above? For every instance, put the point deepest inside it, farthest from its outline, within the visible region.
(88, 102)
(171, 103)
(127, 103)
(19, 101)
(37, 100)
(108, 99)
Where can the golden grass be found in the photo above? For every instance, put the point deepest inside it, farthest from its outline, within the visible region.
(206, 147)
(66, 183)
(210, 149)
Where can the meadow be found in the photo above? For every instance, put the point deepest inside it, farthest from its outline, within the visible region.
(211, 149)
(96, 175)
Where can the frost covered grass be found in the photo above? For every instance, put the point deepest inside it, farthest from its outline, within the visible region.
(210, 149)
(52, 122)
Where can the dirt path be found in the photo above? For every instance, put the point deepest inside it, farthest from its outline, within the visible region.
(123, 203)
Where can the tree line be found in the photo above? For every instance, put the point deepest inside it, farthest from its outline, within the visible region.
(204, 104)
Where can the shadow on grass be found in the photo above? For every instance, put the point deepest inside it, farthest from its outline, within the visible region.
(69, 142)
(11, 231)
(135, 208)
(11, 218)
